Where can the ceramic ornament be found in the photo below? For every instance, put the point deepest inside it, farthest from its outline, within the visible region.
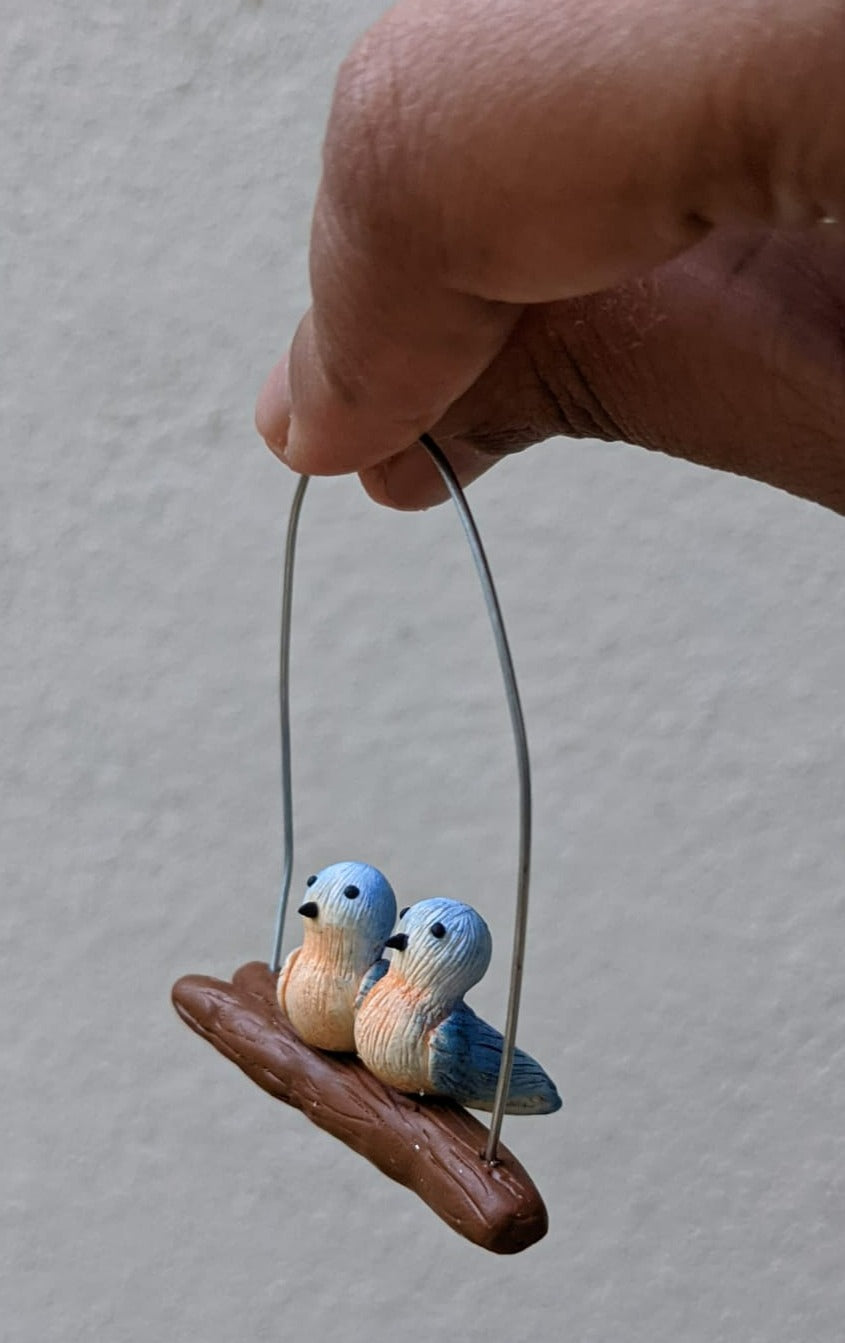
(385, 1054)
(414, 1031)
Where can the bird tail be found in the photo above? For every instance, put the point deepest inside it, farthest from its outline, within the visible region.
(531, 1090)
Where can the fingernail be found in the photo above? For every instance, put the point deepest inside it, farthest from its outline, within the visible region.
(272, 410)
(293, 444)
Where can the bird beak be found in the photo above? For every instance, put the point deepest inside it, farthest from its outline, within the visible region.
(398, 941)
(309, 910)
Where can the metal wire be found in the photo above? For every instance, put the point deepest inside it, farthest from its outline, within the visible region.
(284, 719)
(523, 765)
(522, 758)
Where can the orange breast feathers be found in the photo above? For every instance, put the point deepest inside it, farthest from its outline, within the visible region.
(392, 1029)
(316, 991)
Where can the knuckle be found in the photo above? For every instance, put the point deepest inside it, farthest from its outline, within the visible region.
(567, 388)
(550, 379)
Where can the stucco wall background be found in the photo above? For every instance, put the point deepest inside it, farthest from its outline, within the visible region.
(680, 639)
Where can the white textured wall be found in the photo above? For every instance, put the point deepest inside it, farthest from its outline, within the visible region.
(681, 644)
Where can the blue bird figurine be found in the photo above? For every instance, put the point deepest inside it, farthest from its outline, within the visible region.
(347, 916)
(414, 1031)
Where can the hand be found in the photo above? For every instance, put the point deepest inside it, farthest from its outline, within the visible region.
(590, 217)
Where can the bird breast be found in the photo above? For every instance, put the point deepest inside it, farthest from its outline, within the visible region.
(317, 994)
(391, 1033)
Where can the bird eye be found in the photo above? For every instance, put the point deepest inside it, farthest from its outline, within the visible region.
(404, 911)
(437, 930)
(310, 881)
(351, 892)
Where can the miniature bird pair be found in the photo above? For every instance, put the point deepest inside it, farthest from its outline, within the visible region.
(405, 1018)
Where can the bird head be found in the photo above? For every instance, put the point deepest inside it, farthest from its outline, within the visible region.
(441, 946)
(350, 898)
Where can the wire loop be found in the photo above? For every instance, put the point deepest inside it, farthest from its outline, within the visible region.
(522, 758)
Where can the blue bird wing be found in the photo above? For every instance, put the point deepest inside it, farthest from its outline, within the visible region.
(465, 1053)
(376, 972)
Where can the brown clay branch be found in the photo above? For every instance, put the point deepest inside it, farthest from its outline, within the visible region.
(433, 1147)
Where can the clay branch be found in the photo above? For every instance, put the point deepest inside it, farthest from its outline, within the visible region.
(432, 1147)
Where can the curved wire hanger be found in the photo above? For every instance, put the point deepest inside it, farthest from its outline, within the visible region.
(491, 601)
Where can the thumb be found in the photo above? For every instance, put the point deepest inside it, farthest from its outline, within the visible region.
(482, 156)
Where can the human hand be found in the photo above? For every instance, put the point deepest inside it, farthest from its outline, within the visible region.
(594, 217)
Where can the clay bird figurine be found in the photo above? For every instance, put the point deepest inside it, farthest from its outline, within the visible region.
(348, 915)
(414, 1031)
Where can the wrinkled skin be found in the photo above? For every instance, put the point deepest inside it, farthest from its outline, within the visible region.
(590, 217)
